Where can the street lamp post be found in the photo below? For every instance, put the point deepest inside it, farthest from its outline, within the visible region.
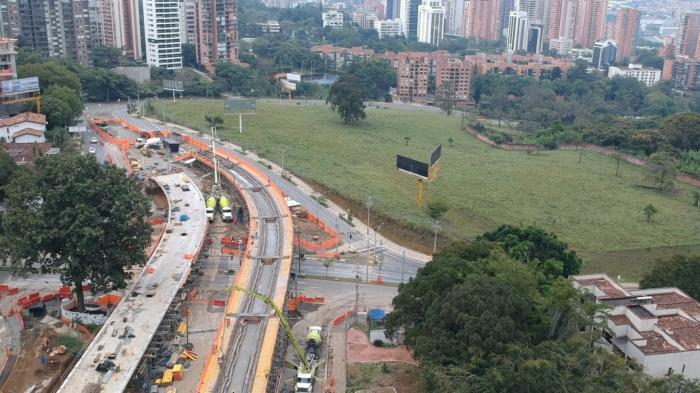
(369, 249)
(436, 227)
(403, 264)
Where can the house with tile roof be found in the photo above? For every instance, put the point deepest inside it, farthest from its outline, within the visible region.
(659, 328)
(26, 127)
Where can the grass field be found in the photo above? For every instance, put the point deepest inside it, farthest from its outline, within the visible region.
(596, 212)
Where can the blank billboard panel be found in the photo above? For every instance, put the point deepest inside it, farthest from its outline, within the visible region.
(436, 155)
(411, 166)
(239, 105)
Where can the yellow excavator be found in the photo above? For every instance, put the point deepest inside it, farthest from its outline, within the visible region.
(309, 360)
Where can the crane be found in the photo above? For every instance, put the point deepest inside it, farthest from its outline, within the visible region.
(305, 366)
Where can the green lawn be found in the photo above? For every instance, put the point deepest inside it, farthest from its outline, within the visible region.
(585, 204)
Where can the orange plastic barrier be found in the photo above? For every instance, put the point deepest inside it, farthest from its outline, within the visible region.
(335, 239)
(342, 318)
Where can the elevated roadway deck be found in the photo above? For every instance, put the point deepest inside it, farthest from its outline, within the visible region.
(133, 323)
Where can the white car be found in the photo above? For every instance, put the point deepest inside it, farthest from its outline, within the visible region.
(93, 140)
(92, 150)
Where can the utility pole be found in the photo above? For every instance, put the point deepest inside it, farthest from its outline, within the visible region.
(403, 264)
(357, 295)
(436, 226)
(369, 249)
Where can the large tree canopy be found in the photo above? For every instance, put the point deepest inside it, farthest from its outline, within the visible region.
(77, 218)
(347, 97)
(682, 131)
(679, 271)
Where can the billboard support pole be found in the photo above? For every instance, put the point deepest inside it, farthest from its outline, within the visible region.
(240, 123)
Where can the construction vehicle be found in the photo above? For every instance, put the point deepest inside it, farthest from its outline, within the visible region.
(308, 362)
(211, 208)
(226, 213)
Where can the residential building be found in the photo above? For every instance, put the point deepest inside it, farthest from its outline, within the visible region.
(409, 16)
(332, 19)
(26, 127)
(364, 19)
(625, 32)
(683, 72)
(538, 11)
(561, 46)
(336, 58)
(388, 28)
(585, 54)
(270, 27)
(376, 6)
(668, 47)
(561, 24)
(590, 22)
(657, 328)
(188, 22)
(604, 53)
(482, 21)
(162, 30)
(217, 34)
(505, 7)
(455, 74)
(518, 31)
(535, 66)
(95, 16)
(413, 70)
(9, 19)
(648, 76)
(8, 54)
(454, 14)
(431, 22)
(120, 26)
(26, 153)
(687, 37)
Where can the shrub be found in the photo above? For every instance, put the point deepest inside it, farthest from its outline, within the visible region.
(436, 209)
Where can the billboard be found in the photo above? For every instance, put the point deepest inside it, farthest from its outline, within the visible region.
(436, 155)
(239, 105)
(294, 77)
(170, 84)
(289, 86)
(411, 166)
(18, 86)
(77, 129)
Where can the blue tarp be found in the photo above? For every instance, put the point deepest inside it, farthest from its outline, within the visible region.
(376, 314)
(184, 217)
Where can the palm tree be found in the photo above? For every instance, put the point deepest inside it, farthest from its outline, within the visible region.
(649, 211)
(213, 121)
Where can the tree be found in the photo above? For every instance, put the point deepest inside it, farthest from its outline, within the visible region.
(649, 211)
(347, 97)
(446, 98)
(327, 263)
(106, 57)
(189, 55)
(51, 73)
(406, 139)
(450, 141)
(62, 106)
(661, 170)
(77, 218)
(680, 271)
(213, 121)
(378, 75)
(8, 169)
(533, 244)
(682, 131)
(696, 198)
(436, 209)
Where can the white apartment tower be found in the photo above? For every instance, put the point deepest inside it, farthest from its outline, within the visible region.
(518, 31)
(431, 22)
(388, 28)
(162, 29)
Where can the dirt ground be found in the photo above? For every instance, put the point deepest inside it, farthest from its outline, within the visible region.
(310, 230)
(29, 375)
(361, 350)
(382, 377)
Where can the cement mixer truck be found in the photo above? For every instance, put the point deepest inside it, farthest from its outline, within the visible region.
(226, 213)
(211, 208)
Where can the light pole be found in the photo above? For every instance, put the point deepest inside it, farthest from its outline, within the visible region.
(403, 264)
(436, 227)
(369, 249)
(375, 233)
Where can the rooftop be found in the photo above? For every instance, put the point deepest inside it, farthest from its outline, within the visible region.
(23, 117)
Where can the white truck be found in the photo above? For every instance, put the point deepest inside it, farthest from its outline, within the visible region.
(306, 378)
(226, 213)
(154, 143)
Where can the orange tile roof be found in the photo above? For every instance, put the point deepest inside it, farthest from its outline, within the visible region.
(604, 285)
(656, 343)
(22, 117)
(620, 320)
(28, 131)
(675, 300)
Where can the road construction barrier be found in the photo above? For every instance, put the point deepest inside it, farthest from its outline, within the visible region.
(342, 318)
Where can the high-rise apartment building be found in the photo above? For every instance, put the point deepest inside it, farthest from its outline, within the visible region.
(162, 30)
(535, 38)
(57, 28)
(388, 28)
(454, 15)
(188, 21)
(506, 7)
(120, 26)
(562, 20)
(9, 18)
(625, 32)
(518, 31)
(687, 37)
(409, 16)
(392, 9)
(412, 74)
(482, 19)
(538, 11)
(431, 22)
(590, 22)
(217, 33)
(332, 19)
